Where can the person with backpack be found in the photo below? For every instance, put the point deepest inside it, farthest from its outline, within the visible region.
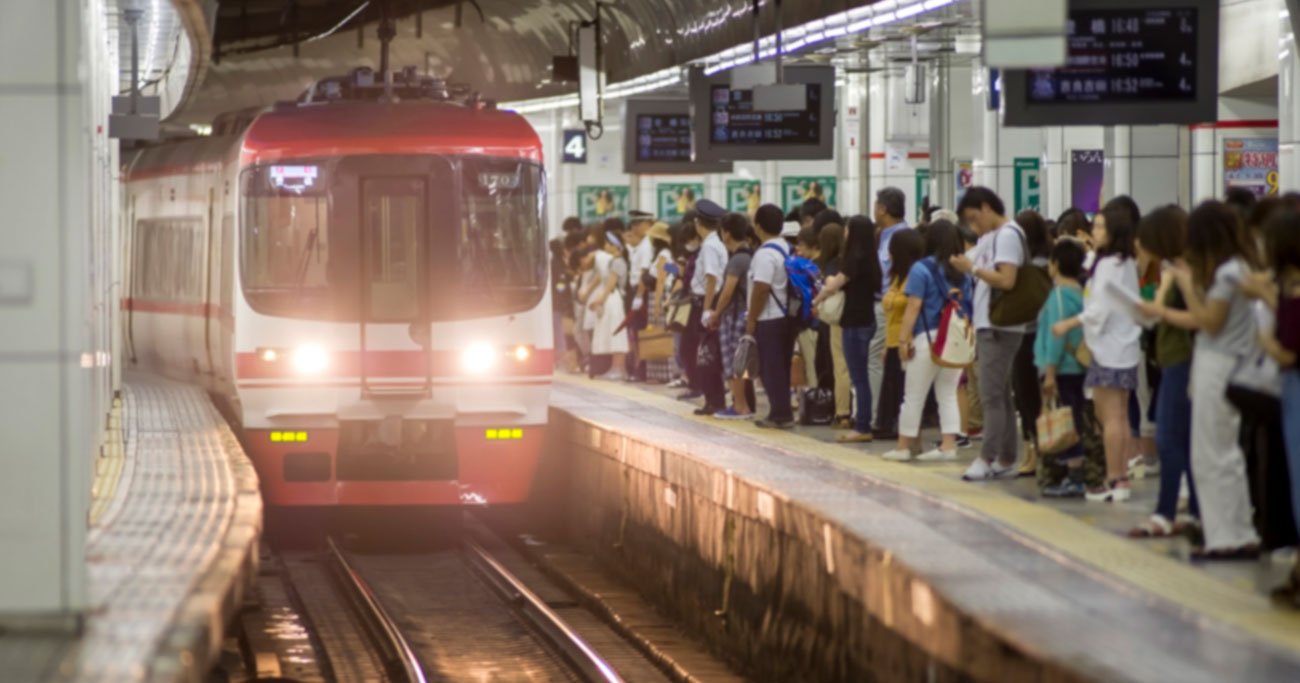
(995, 265)
(860, 279)
(934, 288)
(768, 320)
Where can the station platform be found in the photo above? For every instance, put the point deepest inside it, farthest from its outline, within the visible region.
(952, 578)
(172, 547)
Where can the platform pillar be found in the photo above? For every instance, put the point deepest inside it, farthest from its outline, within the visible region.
(1288, 105)
(46, 431)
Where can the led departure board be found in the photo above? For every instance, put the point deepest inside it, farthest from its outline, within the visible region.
(663, 137)
(659, 139)
(732, 119)
(728, 126)
(1153, 61)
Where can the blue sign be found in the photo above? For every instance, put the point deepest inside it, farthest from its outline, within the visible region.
(575, 147)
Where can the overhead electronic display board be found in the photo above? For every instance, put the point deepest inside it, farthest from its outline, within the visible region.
(728, 127)
(658, 139)
(1129, 62)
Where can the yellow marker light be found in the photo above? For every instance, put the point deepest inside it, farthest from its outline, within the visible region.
(522, 353)
(289, 437)
(277, 437)
(503, 434)
(491, 434)
(516, 433)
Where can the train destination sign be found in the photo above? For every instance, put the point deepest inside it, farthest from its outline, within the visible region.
(1127, 62)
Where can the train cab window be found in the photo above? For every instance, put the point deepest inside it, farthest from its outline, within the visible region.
(502, 234)
(392, 234)
(286, 239)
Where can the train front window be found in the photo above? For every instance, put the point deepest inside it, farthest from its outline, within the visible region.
(502, 238)
(286, 237)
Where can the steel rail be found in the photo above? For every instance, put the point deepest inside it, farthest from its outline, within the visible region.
(581, 656)
(400, 656)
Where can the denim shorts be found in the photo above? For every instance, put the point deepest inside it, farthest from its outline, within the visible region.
(1112, 378)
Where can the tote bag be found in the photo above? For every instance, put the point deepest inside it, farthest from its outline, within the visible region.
(953, 344)
(1056, 430)
(831, 309)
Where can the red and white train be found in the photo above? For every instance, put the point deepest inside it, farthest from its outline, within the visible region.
(360, 277)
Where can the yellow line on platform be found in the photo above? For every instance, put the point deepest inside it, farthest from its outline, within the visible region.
(108, 465)
(1168, 578)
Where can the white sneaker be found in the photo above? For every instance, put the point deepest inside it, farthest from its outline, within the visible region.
(937, 455)
(1137, 467)
(1000, 471)
(898, 455)
(979, 470)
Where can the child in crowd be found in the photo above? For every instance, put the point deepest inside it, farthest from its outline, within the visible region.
(1057, 357)
(1113, 337)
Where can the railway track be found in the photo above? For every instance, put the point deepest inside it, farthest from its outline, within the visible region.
(472, 611)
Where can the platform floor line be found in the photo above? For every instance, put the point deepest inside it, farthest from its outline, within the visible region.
(1109, 555)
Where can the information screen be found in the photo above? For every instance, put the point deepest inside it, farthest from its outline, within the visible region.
(732, 119)
(1128, 62)
(663, 137)
(1124, 56)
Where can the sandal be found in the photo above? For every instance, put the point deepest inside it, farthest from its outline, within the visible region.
(854, 437)
(1245, 552)
(1155, 526)
(842, 422)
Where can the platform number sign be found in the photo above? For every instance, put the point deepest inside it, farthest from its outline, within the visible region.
(575, 147)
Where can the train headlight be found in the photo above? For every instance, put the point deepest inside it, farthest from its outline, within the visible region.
(478, 359)
(310, 359)
(521, 353)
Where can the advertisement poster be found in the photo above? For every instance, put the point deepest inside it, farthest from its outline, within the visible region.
(744, 196)
(1087, 175)
(1029, 190)
(598, 202)
(797, 189)
(922, 189)
(963, 176)
(1251, 163)
(675, 199)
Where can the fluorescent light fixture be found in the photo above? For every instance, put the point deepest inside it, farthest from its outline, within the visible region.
(793, 39)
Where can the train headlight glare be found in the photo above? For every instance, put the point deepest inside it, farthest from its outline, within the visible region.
(478, 359)
(522, 353)
(268, 355)
(310, 359)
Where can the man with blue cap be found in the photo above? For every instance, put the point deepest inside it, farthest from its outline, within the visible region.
(705, 377)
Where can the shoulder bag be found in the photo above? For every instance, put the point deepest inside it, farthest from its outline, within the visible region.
(831, 309)
(953, 344)
(1021, 303)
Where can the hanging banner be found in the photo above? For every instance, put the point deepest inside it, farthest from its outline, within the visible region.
(1251, 163)
(1087, 176)
(1029, 190)
(795, 190)
(922, 189)
(744, 196)
(598, 202)
(675, 199)
(963, 177)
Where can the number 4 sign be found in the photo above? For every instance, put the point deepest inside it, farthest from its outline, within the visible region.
(575, 147)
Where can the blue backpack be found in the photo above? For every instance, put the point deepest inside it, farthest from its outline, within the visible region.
(803, 281)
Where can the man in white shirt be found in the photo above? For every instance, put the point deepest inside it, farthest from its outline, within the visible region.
(994, 262)
(706, 284)
(768, 322)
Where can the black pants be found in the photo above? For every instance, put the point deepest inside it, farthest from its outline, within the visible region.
(691, 344)
(891, 393)
(708, 365)
(775, 351)
(1024, 385)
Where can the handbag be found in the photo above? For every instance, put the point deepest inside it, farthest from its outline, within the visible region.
(831, 309)
(678, 314)
(1025, 299)
(745, 362)
(1255, 385)
(1056, 431)
(953, 345)
(654, 343)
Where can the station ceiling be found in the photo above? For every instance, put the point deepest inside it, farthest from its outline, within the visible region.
(269, 50)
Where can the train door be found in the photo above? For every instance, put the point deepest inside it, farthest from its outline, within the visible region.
(394, 340)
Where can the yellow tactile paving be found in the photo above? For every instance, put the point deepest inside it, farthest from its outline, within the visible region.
(1110, 555)
(108, 465)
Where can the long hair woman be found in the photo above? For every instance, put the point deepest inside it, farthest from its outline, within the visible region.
(1220, 256)
(1113, 337)
(905, 249)
(931, 283)
(859, 278)
(830, 242)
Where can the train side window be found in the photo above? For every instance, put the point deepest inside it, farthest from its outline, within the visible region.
(503, 233)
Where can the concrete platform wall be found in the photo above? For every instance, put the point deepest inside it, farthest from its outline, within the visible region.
(779, 590)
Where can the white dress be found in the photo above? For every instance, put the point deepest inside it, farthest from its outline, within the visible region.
(604, 340)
